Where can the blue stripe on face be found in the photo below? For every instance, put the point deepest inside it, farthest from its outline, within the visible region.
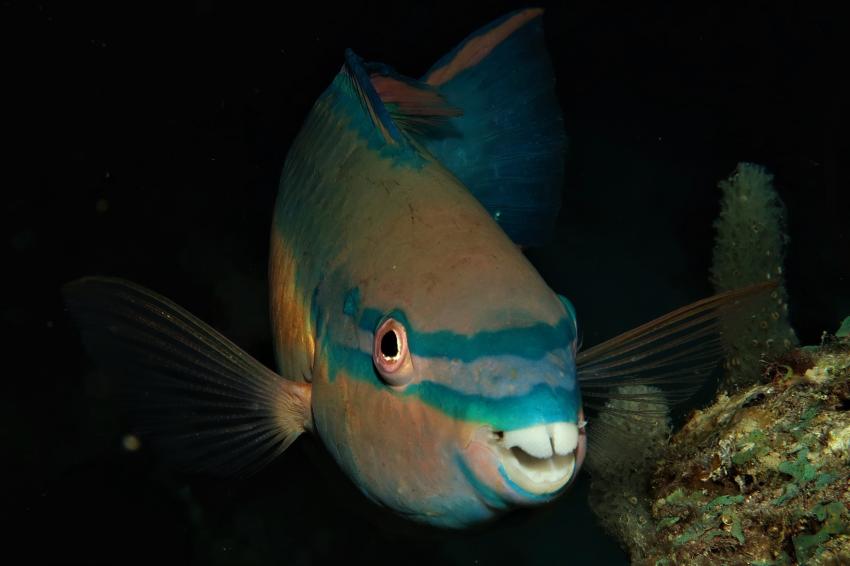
(530, 342)
(541, 404)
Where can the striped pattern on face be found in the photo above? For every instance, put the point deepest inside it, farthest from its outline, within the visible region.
(506, 379)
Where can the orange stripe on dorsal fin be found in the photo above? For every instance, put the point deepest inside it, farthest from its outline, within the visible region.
(477, 48)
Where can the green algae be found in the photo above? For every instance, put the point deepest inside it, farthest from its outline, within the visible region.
(722, 501)
(824, 480)
(758, 448)
(791, 490)
(679, 498)
(806, 546)
(801, 470)
(738, 530)
(666, 523)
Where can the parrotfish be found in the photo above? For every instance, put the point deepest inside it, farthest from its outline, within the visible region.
(411, 333)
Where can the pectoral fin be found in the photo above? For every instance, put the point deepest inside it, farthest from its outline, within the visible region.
(675, 352)
(633, 379)
(211, 404)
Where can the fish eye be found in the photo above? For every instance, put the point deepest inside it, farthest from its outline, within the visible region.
(390, 353)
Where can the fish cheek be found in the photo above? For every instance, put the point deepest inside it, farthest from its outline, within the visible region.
(403, 450)
(350, 422)
(398, 450)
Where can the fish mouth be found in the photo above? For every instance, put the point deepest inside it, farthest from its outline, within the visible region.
(539, 460)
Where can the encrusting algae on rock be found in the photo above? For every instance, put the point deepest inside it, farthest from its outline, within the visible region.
(763, 476)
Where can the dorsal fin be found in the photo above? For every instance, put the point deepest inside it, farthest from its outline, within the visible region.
(397, 103)
(478, 46)
(508, 147)
(374, 107)
(416, 107)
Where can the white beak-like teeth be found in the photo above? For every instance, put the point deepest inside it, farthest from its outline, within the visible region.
(540, 459)
(542, 440)
(564, 437)
(533, 440)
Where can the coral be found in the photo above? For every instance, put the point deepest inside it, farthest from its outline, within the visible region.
(749, 248)
(761, 476)
(621, 470)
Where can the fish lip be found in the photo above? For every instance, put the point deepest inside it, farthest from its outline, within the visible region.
(531, 468)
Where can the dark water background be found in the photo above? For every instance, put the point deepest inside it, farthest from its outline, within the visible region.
(151, 144)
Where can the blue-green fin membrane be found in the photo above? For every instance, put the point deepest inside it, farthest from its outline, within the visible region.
(676, 352)
(508, 147)
(193, 392)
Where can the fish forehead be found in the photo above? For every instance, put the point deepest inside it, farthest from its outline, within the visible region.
(407, 232)
(460, 288)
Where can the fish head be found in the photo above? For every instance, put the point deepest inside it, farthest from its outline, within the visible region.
(471, 407)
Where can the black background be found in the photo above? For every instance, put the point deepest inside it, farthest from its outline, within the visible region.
(147, 141)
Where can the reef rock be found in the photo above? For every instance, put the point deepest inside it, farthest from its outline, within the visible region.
(761, 477)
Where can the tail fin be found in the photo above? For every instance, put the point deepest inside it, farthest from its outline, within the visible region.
(508, 146)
